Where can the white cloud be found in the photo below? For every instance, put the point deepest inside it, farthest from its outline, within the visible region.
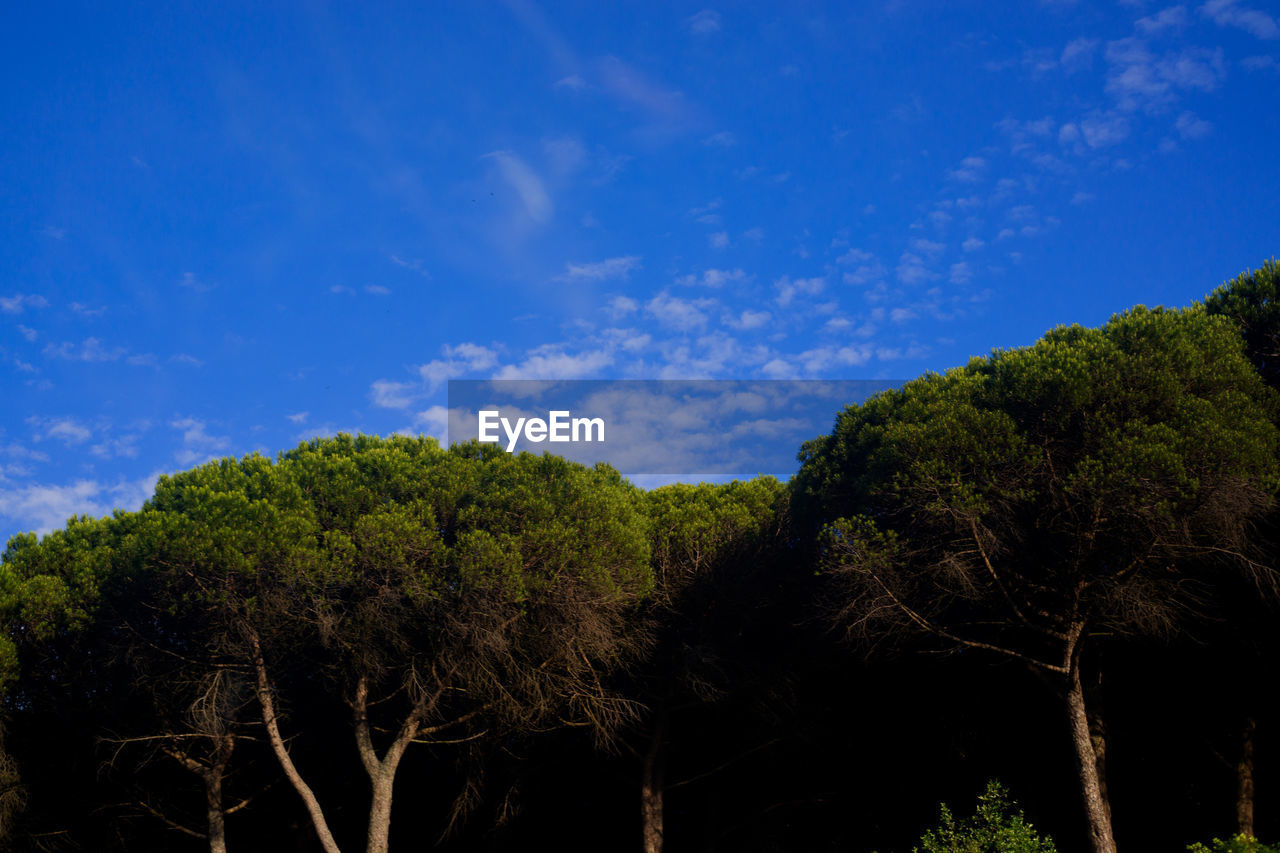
(969, 171)
(28, 334)
(825, 359)
(718, 240)
(789, 288)
(611, 268)
(713, 278)
(67, 430)
(394, 395)
(197, 445)
(706, 21)
(552, 363)
(413, 265)
(1229, 13)
(565, 154)
(1138, 79)
(434, 421)
(1172, 18)
(526, 184)
(1103, 130)
(43, 507)
(973, 244)
(723, 139)
(377, 290)
(748, 320)
(866, 268)
(960, 273)
(458, 360)
(1078, 54)
(190, 282)
(90, 349)
(912, 270)
(1191, 127)
(20, 301)
(620, 306)
(298, 417)
(682, 314)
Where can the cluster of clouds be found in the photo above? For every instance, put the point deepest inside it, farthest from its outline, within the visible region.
(44, 506)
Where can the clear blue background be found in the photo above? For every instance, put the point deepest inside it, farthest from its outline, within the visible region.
(227, 228)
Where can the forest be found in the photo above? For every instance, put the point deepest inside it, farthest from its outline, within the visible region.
(1028, 604)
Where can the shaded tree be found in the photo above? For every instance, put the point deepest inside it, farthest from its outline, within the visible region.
(1252, 302)
(1040, 499)
(710, 545)
(444, 595)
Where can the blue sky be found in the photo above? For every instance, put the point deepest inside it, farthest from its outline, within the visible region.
(229, 230)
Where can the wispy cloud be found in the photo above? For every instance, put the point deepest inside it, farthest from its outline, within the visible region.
(413, 265)
(526, 184)
(1189, 126)
(681, 314)
(705, 22)
(552, 362)
(67, 430)
(713, 278)
(1170, 19)
(198, 445)
(789, 288)
(190, 282)
(19, 302)
(1230, 13)
(606, 270)
(43, 507)
(90, 349)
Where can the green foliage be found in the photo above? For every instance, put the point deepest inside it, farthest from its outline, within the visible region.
(997, 826)
(698, 528)
(1071, 477)
(50, 587)
(1236, 844)
(1252, 301)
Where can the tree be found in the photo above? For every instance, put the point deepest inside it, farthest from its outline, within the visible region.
(49, 591)
(997, 826)
(1040, 499)
(441, 594)
(709, 542)
(1252, 302)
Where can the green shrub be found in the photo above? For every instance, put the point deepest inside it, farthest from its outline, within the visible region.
(1238, 844)
(996, 827)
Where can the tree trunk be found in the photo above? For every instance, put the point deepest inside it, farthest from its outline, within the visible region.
(1095, 806)
(382, 771)
(1098, 737)
(1244, 779)
(380, 813)
(217, 817)
(265, 700)
(652, 784)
